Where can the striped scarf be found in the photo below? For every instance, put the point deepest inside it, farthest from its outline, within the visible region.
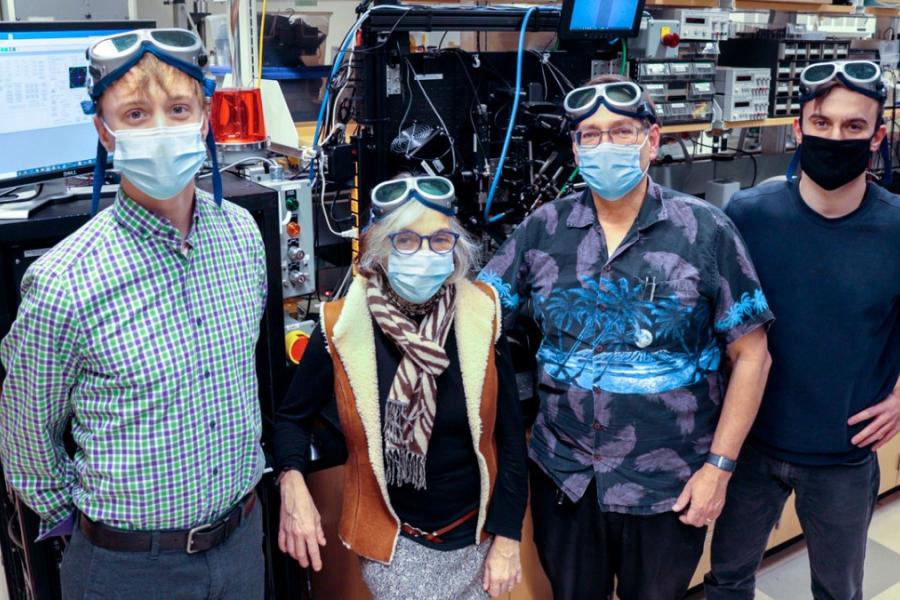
(412, 399)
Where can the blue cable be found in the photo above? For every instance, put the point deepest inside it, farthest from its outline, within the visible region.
(334, 69)
(512, 121)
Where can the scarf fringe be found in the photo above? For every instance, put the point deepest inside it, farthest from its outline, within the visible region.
(404, 467)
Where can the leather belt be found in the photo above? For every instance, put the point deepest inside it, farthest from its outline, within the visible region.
(435, 536)
(191, 541)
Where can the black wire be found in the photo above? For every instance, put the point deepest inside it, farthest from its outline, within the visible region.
(755, 169)
(334, 198)
(465, 68)
(387, 39)
(441, 43)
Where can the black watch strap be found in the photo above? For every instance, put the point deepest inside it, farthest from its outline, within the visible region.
(717, 460)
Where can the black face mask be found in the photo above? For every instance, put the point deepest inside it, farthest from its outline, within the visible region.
(833, 163)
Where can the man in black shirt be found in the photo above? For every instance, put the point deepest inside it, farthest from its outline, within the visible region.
(827, 249)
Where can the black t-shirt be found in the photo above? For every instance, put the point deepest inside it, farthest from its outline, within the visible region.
(452, 478)
(834, 286)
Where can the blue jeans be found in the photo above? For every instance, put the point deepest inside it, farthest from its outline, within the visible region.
(834, 505)
(233, 570)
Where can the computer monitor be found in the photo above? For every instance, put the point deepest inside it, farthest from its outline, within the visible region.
(599, 19)
(43, 71)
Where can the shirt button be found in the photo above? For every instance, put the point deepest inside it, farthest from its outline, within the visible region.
(199, 321)
(212, 424)
(598, 456)
(215, 471)
(598, 426)
(207, 375)
(599, 348)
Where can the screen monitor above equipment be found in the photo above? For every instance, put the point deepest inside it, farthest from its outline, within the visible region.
(600, 19)
(43, 72)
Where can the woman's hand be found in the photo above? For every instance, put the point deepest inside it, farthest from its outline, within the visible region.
(300, 530)
(502, 567)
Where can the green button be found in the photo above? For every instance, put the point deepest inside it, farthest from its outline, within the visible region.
(291, 203)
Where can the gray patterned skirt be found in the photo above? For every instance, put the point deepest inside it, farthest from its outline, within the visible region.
(420, 573)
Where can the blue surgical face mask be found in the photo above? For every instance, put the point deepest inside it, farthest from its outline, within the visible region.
(160, 161)
(612, 170)
(417, 277)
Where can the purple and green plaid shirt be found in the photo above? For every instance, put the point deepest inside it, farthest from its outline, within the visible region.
(149, 349)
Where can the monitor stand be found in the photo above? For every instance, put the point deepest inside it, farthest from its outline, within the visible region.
(21, 193)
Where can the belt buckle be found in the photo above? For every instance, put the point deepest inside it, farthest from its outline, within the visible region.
(189, 548)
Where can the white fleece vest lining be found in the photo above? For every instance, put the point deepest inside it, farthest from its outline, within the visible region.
(354, 340)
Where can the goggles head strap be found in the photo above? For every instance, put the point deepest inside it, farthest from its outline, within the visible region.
(90, 106)
(643, 111)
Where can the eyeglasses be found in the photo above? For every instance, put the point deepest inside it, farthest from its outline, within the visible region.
(621, 134)
(434, 192)
(409, 242)
(621, 97)
(112, 56)
(861, 76)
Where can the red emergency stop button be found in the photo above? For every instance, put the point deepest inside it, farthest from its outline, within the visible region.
(295, 343)
(671, 40)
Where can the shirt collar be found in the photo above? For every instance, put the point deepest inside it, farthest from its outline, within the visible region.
(653, 209)
(140, 221)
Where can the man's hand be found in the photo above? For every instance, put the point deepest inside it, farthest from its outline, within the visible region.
(300, 529)
(502, 567)
(885, 422)
(703, 496)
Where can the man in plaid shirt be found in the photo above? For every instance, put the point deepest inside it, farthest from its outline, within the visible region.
(140, 328)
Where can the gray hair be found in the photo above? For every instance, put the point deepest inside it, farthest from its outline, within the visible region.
(376, 243)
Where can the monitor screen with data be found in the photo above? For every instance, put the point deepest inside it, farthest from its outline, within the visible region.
(597, 19)
(43, 75)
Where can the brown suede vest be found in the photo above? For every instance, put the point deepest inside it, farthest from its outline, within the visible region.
(368, 524)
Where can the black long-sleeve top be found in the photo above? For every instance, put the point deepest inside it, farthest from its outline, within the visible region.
(451, 469)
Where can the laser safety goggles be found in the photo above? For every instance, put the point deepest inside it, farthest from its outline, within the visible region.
(621, 97)
(434, 192)
(862, 76)
(112, 57)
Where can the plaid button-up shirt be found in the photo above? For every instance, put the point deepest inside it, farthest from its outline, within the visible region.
(630, 383)
(148, 345)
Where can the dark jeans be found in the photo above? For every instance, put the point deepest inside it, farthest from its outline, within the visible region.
(584, 550)
(834, 504)
(233, 570)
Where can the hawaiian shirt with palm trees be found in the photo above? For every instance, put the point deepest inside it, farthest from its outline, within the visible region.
(630, 366)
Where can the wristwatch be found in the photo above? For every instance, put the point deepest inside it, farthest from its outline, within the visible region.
(717, 460)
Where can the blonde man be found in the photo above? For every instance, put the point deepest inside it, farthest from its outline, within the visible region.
(141, 329)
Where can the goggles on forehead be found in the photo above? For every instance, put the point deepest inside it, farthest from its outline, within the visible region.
(110, 58)
(434, 192)
(621, 97)
(862, 76)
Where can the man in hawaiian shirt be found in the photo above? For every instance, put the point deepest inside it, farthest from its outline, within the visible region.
(645, 297)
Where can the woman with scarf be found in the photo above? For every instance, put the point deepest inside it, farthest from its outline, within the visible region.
(435, 482)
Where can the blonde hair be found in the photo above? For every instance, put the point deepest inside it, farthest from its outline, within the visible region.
(375, 243)
(152, 70)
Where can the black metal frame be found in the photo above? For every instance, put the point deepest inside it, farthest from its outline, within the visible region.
(374, 143)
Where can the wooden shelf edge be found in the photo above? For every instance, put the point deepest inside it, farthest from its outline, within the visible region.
(803, 7)
(697, 127)
(882, 11)
(684, 3)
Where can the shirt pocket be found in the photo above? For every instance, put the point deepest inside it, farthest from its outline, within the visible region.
(666, 313)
